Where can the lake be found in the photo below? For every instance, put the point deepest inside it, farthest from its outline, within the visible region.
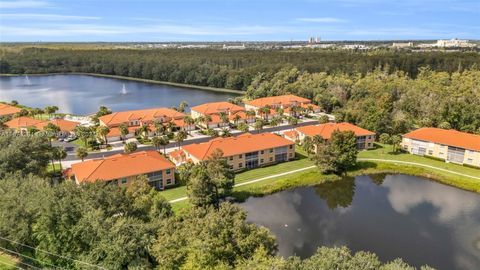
(420, 221)
(83, 94)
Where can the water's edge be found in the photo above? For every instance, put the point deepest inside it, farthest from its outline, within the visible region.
(191, 86)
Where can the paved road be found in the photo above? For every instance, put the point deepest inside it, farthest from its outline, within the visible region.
(71, 147)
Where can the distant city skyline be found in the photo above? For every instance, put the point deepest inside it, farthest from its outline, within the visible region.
(236, 20)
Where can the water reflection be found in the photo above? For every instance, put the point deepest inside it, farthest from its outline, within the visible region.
(81, 94)
(397, 216)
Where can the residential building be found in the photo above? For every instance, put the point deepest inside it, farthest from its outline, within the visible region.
(245, 151)
(23, 123)
(214, 110)
(135, 119)
(122, 169)
(286, 102)
(450, 145)
(401, 45)
(8, 110)
(365, 138)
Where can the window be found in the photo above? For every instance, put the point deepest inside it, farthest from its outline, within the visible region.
(369, 144)
(262, 152)
(291, 154)
(271, 159)
(271, 150)
(231, 167)
(231, 158)
(240, 165)
(124, 180)
(261, 160)
(169, 181)
(430, 152)
(169, 171)
(441, 153)
(291, 146)
(469, 160)
(240, 156)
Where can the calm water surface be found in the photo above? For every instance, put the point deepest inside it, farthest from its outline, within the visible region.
(82, 94)
(421, 221)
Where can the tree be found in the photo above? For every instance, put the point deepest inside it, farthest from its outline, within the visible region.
(159, 128)
(144, 130)
(180, 137)
(123, 128)
(130, 147)
(207, 119)
(396, 140)
(243, 127)
(259, 125)
(323, 119)
(264, 111)
(308, 145)
(182, 106)
(52, 131)
(445, 125)
(59, 153)
(338, 154)
(207, 238)
(156, 142)
(223, 177)
(384, 139)
(226, 132)
(224, 117)
(236, 118)
(274, 122)
(23, 154)
(102, 132)
(250, 114)
(81, 153)
(188, 120)
(292, 121)
(84, 134)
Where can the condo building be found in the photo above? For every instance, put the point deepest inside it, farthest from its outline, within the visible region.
(449, 145)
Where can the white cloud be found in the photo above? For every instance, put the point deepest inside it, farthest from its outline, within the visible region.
(323, 20)
(23, 4)
(44, 17)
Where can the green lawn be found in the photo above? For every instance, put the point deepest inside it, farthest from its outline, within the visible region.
(312, 177)
(6, 261)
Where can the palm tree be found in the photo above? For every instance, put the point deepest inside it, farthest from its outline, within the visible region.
(259, 125)
(308, 145)
(236, 118)
(49, 110)
(82, 153)
(170, 126)
(164, 142)
(180, 137)
(226, 132)
(207, 119)
(144, 129)
(223, 117)
(188, 120)
(159, 128)
(264, 111)
(280, 111)
(309, 109)
(156, 142)
(59, 154)
(102, 132)
(52, 131)
(292, 121)
(84, 133)
(182, 106)
(274, 122)
(123, 131)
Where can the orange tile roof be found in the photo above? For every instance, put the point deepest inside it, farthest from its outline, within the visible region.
(326, 130)
(446, 137)
(284, 100)
(6, 109)
(244, 143)
(242, 115)
(176, 154)
(146, 115)
(216, 107)
(291, 134)
(23, 122)
(119, 166)
(115, 131)
(65, 125)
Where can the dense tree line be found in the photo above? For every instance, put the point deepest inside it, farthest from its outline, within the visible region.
(383, 101)
(224, 69)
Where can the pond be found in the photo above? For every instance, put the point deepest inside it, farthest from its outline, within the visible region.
(420, 221)
(83, 94)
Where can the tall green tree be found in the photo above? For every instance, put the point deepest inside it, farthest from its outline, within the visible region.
(338, 154)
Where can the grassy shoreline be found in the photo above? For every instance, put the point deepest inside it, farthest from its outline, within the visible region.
(312, 177)
(191, 86)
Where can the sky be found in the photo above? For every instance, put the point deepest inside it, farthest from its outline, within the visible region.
(236, 20)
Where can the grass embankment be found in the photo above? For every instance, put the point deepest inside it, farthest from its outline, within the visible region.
(312, 176)
(184, 85)
(7, 262)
